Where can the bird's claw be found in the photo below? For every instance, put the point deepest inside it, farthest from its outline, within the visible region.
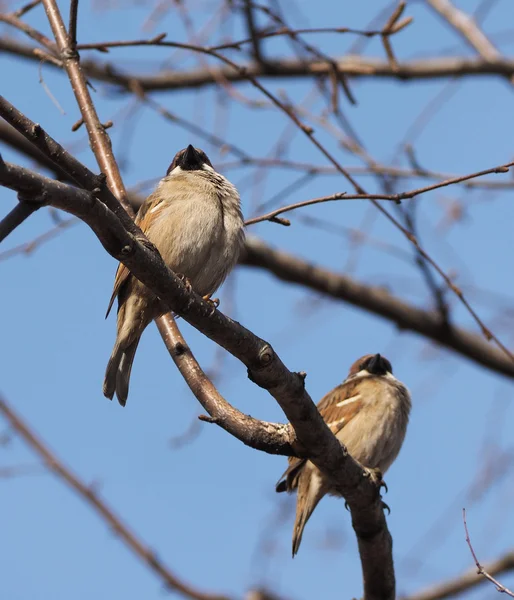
(186, 281)
(386, 507)
(376, 477)
(214, 302)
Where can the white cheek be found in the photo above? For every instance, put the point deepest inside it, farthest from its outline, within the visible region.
(391, 377)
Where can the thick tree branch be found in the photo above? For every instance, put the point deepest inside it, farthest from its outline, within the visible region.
(378, 301)
(257, 434)
(88, 494)
(285, 266)
(314, 438)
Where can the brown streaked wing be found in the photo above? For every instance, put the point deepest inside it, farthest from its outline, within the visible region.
(142, 221)
(347, 396)
(122, 274)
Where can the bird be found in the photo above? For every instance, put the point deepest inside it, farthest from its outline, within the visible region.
(194, 219)
(368, 413)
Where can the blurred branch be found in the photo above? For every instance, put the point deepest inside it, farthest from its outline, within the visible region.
(350, 66)
(101, 143)
(464, 582)
(378, 301)
(15, 140)
(88, 494)
(467, 27)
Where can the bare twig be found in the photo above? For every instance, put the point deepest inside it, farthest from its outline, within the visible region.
(72, 29)
(389, 197)
(377, 300)
(15, 218)
(464, 582)
(480, 569)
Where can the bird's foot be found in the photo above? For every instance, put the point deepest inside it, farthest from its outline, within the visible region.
(186, 281)
(214, 302)
(377, 478)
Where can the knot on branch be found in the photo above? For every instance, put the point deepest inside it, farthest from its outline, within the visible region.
(266, 355)
(69, 54)
(180, 349)
(127, 250)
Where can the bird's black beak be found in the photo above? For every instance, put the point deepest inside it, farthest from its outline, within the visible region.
(191, 160)
(378, 365)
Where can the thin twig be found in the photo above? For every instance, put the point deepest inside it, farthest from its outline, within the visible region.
(464, 582)
(15, 218)
(480, 569)
(72, 29)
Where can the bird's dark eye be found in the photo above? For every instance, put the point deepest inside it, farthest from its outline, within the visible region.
(364, 364)
(175, 161)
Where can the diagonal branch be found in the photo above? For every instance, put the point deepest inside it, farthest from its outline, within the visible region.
(377, 301)
(88, 494)
(313, 438)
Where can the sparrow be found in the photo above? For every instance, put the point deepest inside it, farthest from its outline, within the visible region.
(194, 219)
(368, 413)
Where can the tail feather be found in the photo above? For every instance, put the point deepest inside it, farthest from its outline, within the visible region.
(124, 371)
(117, 374)
(310, 493)
(111, 371)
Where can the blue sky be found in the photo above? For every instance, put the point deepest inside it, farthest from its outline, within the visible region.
(209, 508)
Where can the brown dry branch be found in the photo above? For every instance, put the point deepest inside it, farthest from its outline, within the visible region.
(377, 169)
(32, 245)
(88, 494)
(99, 140)
(285, 266)
(102, 149)
(480, 569)
(466, 26)
(26, 8)
(377, 300)
(464, 582)
(308, 131)
(15, 218)
(349, 66)
(312, 437)
(389, 197)
(105, 153)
